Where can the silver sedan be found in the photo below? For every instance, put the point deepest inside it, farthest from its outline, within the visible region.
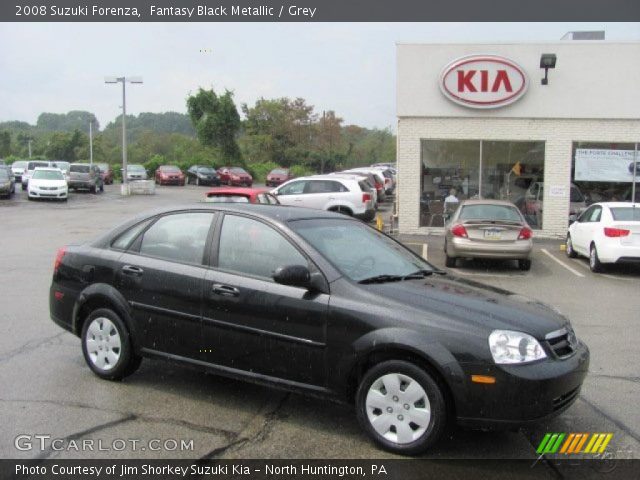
(488, 229)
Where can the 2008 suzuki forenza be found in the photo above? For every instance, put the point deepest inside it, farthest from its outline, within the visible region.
(319, 302)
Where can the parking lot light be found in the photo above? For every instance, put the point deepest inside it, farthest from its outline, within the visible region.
(124, 81)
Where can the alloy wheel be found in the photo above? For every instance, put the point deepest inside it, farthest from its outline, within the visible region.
(398, 408)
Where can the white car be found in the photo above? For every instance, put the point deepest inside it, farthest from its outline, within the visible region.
(48, 183)
(379, 177)
(28, 171)
(346, 195)
(361, 176)
(607, 232)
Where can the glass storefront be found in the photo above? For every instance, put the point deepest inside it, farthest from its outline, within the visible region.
(604, 172)
(456, 170)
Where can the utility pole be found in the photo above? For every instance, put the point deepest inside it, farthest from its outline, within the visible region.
(90, 142)
(29, 148)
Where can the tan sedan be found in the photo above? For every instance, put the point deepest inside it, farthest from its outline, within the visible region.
(488, 229)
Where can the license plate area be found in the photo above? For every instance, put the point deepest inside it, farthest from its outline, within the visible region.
(493, 234)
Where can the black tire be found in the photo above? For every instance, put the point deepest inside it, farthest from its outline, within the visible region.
(92, 189)
(437, 420)
(127, 363)
(594, 261)
(571, 253)
(450, 262)
(525, 264)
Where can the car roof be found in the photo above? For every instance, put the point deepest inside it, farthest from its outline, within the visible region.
(488, 201)
(238, 190)
(618, 204)
(46, 169)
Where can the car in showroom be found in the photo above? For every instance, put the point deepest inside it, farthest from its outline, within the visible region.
(326, 305)
(106, 172)
(235, 176)
(7, 183)
(48, 183)
(135, 172)
(532, 204)
(85, 176)
(169, 175)
(336, 193)
(202, 175)
(278, 176)
(606, 233)
(241, 195)
(17, 168)
(493, 229)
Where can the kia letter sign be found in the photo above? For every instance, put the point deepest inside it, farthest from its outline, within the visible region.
(483, 81)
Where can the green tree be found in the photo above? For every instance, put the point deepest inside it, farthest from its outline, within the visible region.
(5, 143)
(216, 121)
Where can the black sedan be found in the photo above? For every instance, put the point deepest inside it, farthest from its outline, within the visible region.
(202, 175)
(314, 301)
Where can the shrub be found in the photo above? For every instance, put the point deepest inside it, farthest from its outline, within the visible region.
(259, 171)
(301, 171)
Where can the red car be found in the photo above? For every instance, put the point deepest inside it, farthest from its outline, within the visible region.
(235, 176)
(106, 173)
(169, 175)
(278, 176)
(241, 195)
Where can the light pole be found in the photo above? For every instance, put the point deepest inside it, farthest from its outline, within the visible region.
(125, 186)
(90, 143)
(29, 148)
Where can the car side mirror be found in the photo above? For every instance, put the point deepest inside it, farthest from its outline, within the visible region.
(293, 275)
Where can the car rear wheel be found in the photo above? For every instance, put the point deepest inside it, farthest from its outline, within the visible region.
(401, 407)
(594, 260)
(106, 345)
(571, 253)
(92, 189)
(524, 264)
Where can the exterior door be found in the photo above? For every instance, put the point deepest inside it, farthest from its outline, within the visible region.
(292, 193)
(253, 324)
(162, 276)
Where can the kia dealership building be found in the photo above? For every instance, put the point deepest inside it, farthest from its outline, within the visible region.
(478, 121)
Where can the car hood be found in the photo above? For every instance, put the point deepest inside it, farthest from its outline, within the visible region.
(481, 307)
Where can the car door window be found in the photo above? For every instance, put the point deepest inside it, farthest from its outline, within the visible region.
(595, 215)
(253, 248)
(324, 186)
(126, 238)
(178, 237)
(584, 217)
(293, 188)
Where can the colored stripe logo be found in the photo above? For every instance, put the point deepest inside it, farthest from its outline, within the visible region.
(573, 443)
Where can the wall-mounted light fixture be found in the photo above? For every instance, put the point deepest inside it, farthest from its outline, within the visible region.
(547, 61)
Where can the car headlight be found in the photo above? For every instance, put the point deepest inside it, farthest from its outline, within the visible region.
(509, 347)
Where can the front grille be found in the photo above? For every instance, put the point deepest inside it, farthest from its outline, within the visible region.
(562, 342)
(564, 400)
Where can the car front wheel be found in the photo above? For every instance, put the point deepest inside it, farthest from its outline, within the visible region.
(571, 253)
(401, 407)
(106, 345)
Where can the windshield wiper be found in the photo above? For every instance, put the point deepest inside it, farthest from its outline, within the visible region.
(382, 279)
(423, 273)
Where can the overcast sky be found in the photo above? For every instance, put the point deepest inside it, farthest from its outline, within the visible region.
(347, 67)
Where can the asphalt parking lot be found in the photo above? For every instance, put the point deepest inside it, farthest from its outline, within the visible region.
(47, 389)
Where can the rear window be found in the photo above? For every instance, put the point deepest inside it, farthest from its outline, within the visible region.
(206, 170)
(626, 214)
(490, 212)
(218, 198)
(103, 167)
(79, 168)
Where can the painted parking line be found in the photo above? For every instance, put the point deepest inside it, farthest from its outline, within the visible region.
(585, 264)
(572, 270)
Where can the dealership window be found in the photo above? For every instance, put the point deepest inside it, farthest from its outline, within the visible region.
(456, 170)
(604, 172)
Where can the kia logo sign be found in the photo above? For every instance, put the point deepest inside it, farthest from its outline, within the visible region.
(483, 81)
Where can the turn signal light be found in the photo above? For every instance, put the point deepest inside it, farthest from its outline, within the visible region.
(58, 261)
(483, 379)
(525, 234)
(615, 232)
(366, 197)
(459, 231)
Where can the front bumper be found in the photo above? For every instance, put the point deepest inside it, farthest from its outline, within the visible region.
(48, 193)
(464, 247)
(522, 394)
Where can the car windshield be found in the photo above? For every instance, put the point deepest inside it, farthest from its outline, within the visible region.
(626, 214)
(103, 167)
(279, 171)
(135, 168)
(207, 170)
(62, 165)
(19, 164)
(170, 169)
(79, 168)
(48, 175)
(490, 212)
(359, 252)
(4, 175)
(222, 198)
(238, 170)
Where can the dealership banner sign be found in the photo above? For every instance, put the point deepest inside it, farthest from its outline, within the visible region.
(600, 165)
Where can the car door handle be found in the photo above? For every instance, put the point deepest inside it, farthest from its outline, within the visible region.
(225, 290)
(133, 271)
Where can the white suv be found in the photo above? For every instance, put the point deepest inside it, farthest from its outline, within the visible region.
(328, 192)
